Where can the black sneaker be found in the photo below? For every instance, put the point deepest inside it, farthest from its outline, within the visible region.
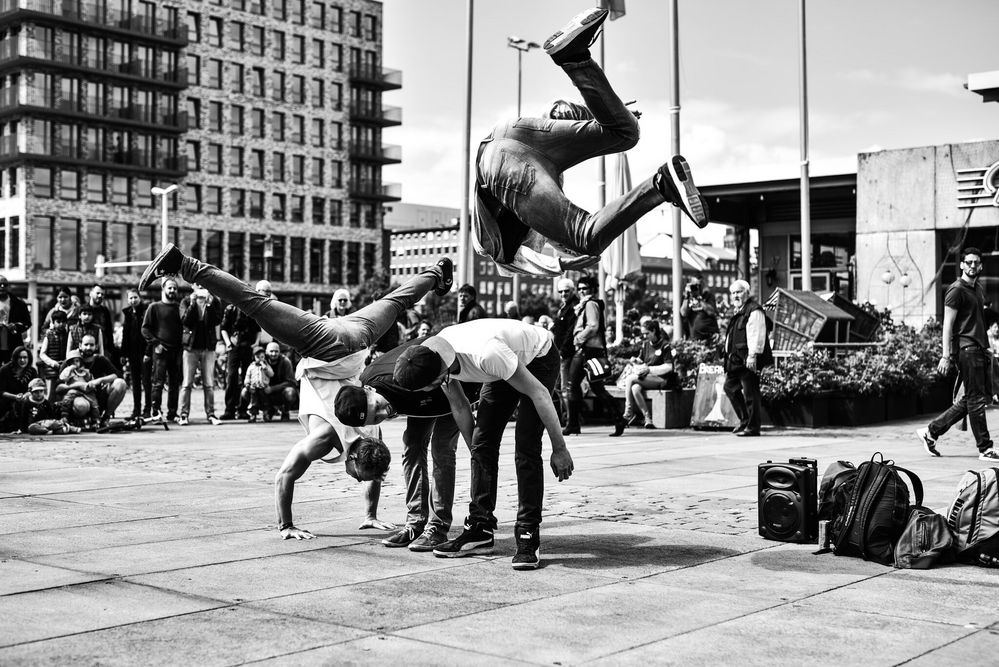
(474, 540)
(446, 280)
(403, 537)
(676, 184)
(528, 555)
(431, 538)
(167, 263)
(572, 43)
(929, 444)
(989, 455)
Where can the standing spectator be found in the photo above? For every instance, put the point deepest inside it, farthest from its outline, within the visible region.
(64, 303)
(14, 378)
(468, 308)
(85, 327)
(111, 387)
(239, 331)
(281, 393)
(340, 304)
(200, 320)
(565, 322)
(163, 332)
(588, 337)
(134, 356)
(747, 352)
(103, 321)
(14, 321)
(257, 378)
(700, 316)
(966, 342)
(652, 370)
(53, 350)
(424, 329)
(511, 310)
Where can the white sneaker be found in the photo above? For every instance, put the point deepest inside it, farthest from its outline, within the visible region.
(214, 421)
(929, 444)
(989, 455)
(182, 421)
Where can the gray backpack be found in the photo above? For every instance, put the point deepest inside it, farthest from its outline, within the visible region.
(973, 517)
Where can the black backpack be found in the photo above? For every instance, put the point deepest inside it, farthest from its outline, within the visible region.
(871, 510)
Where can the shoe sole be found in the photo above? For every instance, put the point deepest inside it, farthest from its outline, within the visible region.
(423, 548)
(691, 202)
(930, 447)
(474, 551)
(447, 269)
(148, 275)
(396, 545)
(577, 25)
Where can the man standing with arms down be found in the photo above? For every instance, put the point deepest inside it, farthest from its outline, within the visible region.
(514, 361)
(965, 342)
(162, 329)
(747, 352)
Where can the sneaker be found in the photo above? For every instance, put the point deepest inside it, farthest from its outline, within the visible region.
(528, 555)
(404, 537)
(268, 415)
(633, 419)
(167, 263)
(182, 421)
(251, 419)
(619, 426)
(474, 540)
(572, 43)
(214, 421)
(446, 280)
(649, 426)
(676, 184)
(431, 538)
(989, 455)
(929, 444)
(227, 416)
(285, 417)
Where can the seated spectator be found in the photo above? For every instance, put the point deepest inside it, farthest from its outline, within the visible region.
(282, 391)
(85, 327)
(15, 375)
(110, 386)
(257, 378)
(76, 382)
(652, 370)
(36, 414)
(53, 350)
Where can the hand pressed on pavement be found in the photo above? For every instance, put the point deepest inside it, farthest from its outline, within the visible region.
(296, 533)
(376, 524)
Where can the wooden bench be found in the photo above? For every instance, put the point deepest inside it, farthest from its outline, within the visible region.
(670, 407)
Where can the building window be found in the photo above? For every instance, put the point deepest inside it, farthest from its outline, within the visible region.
(257, 44)
(120, 191)
(237, 203)
(278, 206)
(276, 262)
(213, 248)
(213, 73)
(317, 132)
(353, 262)
(256, 164)
(354, 23)
(318, 167)
(318, 53)
(192, 198)
(277, 126)
(371, 27)
(318, 211)
(298, 129)
(142, 195)
(336, 174)
(257, 251)
(277, 85)
(44, 226)
(336, 57)
(298, 169)
(336, 263)
(69, 185)
(336, 96)
(213, 163)
(279, 9)
(69, 244)
(213, 200)
(42, 183)
(318, 88)
(238, 77)
(257, 123)
(297, 257)
(296, 11)
(296, 50)
(317, 15)
(193, 27)
(236, 161)
(316, 260)
(279, 45)
(94, 243)
(256, 204)
(236, 35)
(95, 188)
(193, 155)
(193, 69)
(298, 89)
(214, 31)
(256, 7)
(257, 81)
(336, 135)
(236, 120)
(336, 20)
(297, 208)
(237, 265)
(277, 167)
(215, 116)
(336, 212)
(194, 112)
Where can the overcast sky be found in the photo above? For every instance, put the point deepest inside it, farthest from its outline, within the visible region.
(881, 74)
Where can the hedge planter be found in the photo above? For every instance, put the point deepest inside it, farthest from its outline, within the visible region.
(938, 397)
(856, 410)
(673, 408)
(807, 412)
(900, 406)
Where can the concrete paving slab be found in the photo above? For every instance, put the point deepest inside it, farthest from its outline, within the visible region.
(582, 626)
(447, 588)
(796, 634)
(19, 576)
(978, 649)
(386, 649)
(175, 496)
(228, 636)
(11, 464)
(47, 514)
(38, 615)
(68, 480)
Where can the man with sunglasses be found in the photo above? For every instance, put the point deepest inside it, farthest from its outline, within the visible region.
(965, 341)
(565, 322)
(520, 206)
(513, 361)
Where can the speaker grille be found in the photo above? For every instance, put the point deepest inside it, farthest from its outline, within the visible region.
(780, 514)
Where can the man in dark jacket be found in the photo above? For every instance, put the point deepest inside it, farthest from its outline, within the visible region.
(747, 352)
(200, 318)
(565, 322)
(103, 320)
(282, 392)
(133, 353)
(429, 422)
(468, 308)
(162, 330)
(14, 321)
(239, 332)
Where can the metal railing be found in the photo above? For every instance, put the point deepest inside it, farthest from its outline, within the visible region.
(373, 74)
(375, 151)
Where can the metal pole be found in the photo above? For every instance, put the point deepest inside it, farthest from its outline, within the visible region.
(520, 53)
(602, 190)
(806, 216)
(464, 263)
(674, 115)
(164, 236)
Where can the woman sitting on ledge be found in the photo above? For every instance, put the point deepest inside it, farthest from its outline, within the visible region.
(653, 370)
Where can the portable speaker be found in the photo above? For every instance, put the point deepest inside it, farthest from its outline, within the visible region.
(788, 500)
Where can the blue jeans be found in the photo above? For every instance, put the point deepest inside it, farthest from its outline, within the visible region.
(311, 335)
(497, 401)
(193, 360)
(522, 161)
(167, 362)
(975, 367)
(426, 504)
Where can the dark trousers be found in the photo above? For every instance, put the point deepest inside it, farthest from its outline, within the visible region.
(577, 370)
(140, 373)
(497, 401)
(236, 362)
(742, 386)
(169, 362)
(975, 367)
(429, 498)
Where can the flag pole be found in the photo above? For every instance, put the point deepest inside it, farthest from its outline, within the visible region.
(464, 261)
(674, 115)
(806, 215)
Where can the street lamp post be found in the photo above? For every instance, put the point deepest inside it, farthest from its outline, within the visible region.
(522, 46)
(163, 192)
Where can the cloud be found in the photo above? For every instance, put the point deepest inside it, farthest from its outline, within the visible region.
(910, 79)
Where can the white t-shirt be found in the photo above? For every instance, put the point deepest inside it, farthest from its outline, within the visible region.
(488, 349)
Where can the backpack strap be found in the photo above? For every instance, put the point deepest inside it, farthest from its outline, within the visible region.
(864, 511)
(851, 509)
(917, 486)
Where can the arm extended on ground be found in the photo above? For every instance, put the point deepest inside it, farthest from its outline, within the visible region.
(314, 446)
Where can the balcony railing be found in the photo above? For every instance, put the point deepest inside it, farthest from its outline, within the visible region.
(375, 152)
(8, 97)
(378, 114)
(95, 14)
(375, 76)
(8, 146)
(364, 188)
